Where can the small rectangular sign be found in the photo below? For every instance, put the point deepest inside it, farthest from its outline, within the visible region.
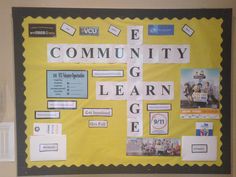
(200, 97)
(98, 124)
(89, 30)
(114, 30)
(100, 112)
(188, 30)
(199, 116)
(48, 147)
(68, 29)
(108, 73)
(159, 107)
(160, 30)
(47, 115)
(42, 30)
(62, 104)
(199, 148)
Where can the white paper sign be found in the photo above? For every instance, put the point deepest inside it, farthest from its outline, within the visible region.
(134, 72)
(98, 124)
(199, 148)
(43, 129)
(135, 35)
(47, 115)
(68, 29)
(47, 148)
(135, 109)
(158, 107)
(188, 30)
(100, 112)
(135, 90)
(108, 73)
(135, 127)
(114, 30)
(53, 104)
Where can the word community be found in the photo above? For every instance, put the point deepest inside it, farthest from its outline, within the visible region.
(107, 53)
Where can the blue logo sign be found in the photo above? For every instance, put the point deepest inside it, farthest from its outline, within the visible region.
(161, 30)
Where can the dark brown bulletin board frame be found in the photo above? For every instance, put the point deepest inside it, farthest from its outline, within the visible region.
(19, 13)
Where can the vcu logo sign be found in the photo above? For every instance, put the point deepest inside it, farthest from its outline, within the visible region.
(89, 31)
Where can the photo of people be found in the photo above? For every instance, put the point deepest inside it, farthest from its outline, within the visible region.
(153, 147)
(200, 88)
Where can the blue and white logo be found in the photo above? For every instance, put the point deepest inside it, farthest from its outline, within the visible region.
(162, 30)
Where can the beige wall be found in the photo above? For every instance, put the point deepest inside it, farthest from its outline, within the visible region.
(8, 169)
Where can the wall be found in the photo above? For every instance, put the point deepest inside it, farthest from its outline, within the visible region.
(8, 169)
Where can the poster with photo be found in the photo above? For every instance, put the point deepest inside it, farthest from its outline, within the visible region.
(153, 147)
(200, 93)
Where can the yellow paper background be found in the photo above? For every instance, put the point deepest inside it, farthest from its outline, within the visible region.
(88, 146)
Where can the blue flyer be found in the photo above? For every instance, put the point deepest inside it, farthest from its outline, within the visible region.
(67, 84)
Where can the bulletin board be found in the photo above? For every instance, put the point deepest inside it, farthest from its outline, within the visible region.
(122, 90)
